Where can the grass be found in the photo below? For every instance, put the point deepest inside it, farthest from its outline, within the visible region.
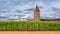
(29, 26)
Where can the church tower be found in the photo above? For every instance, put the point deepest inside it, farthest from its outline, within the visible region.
(37, 13)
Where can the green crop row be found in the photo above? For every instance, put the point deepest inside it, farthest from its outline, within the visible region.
(29, 26)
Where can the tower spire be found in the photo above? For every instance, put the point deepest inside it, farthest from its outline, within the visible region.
(37, 8)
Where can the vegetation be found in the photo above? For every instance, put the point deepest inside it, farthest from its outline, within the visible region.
(29, 26)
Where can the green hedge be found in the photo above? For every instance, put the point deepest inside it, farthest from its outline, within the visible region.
(29, 26)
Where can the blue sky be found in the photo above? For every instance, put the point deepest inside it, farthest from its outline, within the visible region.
(23, 9)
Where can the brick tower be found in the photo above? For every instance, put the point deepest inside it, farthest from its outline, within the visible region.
(37, 14)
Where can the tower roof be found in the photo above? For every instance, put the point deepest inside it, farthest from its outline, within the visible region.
(37, 8)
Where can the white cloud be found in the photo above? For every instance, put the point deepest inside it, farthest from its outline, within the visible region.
(2, 15)
(46, 11)
(13, 17)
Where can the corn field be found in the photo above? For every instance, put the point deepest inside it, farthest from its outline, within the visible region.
(29, 26)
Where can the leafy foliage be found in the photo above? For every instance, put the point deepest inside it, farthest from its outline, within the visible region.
(29, 26)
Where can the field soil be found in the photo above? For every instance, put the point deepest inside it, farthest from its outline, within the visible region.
(29, 32)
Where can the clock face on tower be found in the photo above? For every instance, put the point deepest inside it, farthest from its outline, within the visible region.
(37, 10)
